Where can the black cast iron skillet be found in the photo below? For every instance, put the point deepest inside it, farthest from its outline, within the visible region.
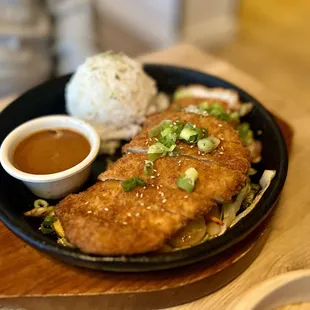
(48, 98)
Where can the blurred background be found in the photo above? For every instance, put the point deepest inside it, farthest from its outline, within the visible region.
(268, 39)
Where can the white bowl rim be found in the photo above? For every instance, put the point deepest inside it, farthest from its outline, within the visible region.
(44, 178)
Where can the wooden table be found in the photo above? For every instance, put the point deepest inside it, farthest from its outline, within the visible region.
(287, 247)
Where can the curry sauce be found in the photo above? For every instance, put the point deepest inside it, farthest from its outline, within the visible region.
(50, 151)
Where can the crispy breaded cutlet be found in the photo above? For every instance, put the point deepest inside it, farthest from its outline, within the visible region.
(230, 153)
(214, 182)
(200, 92)
(106, 220)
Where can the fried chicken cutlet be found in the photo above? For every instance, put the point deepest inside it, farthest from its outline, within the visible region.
(106, 220)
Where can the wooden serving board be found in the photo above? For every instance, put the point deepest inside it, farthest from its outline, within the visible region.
(33, 281)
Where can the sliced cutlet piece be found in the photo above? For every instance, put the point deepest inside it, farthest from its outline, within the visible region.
(161, 187)
(230, 153)
(182, 103)
(229, 96)
(214, 182)
(105, 220)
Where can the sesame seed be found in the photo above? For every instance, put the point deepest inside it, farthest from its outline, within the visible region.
(86, 202)
(179, 161)
(125, 223)
(144, 187)
(149, 207)
(142, 204)
(220, 125)
(152, 177)
(106, 209)
(192, 146)
(137, 195)
(222, 139)
(181, 147)
(89, 211)
(186, 197)
(156, 139)
(160, 185)
(129, 214)
(141, 195)
(194, 126)
(158, 174)
(199, 152)
(164, 200)
(157, 187)
(221, 153)
(152, 185)
(174, 123)
(154, 170)
(137, 214)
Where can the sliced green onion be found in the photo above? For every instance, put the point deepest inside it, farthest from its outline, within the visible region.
(187, 181)
(245, 108)
(192, 174)
(132, 183)
(40, 203)
(190, 133)
(252, 171)
(154, 156)
(140, 182)
(234, 116)
(158, 149)
(245, 133)
(216, 142)
(166, 132)
(209, 144)
(178, 126)
(159, 128)
(181, 93)
(220, 114)
(186, 184)
(205, 145)
(167, 141)
(204, 106)
(47, 225)
(148, 167)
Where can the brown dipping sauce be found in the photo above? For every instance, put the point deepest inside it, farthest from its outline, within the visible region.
(50, 151)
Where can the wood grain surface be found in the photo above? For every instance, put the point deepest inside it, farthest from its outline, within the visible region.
(285, 249)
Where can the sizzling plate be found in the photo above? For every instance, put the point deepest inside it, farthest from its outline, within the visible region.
(48, 98)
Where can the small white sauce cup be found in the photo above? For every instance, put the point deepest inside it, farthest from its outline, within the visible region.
(55, 185)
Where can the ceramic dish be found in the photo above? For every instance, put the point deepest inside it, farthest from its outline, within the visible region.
(48, 99)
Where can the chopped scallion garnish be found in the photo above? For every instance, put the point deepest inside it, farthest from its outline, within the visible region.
(190, 133)
(187, 181)
(191, 173)
(182, 93)
(148, 167)
(205, 145)
(47, 225)
(132, 183)
(245, 133)
(186, 184)
(159, 128)
(158, 149)
(209, 144)
(40, 203)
